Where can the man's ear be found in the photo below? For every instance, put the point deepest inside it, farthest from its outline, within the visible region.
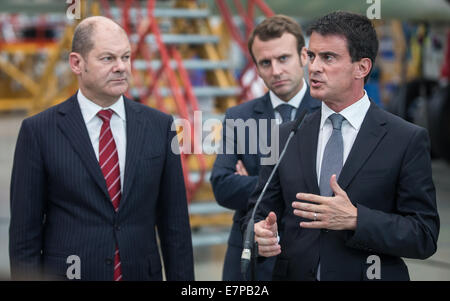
(304, 56)
(76, 62)
(363, 68)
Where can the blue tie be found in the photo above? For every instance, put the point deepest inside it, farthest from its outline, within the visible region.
(285, 111)
(333, 156)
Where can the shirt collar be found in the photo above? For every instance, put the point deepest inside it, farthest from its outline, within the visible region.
(89, 109)
(294, 101)
(354, 114)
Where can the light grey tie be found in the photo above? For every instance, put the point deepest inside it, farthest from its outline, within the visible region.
(333, 156)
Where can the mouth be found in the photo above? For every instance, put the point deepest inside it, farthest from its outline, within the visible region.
(119, 80)
(315, 83)
(279, 83)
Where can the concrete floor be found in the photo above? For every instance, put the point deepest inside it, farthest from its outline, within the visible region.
(209, 258)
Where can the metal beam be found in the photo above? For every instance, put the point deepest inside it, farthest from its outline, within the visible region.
(33, 6)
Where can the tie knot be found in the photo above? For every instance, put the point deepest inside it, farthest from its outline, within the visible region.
(105, 115)
(285, 111)
(336, 120)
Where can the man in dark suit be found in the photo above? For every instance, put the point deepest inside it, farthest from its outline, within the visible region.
(95, 176)
(277, 48)
(354, 192)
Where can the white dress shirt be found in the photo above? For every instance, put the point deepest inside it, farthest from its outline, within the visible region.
(294, 102)
(354, 116)
(94, 124)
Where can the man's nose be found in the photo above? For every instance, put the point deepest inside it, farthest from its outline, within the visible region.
(276, 69)
(119, 66)
(314, 65)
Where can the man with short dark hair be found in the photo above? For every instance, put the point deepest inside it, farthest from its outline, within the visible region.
(277, 48)
(95, 176)
(355, 183)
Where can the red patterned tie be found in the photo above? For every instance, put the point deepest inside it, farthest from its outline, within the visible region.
(109, 164)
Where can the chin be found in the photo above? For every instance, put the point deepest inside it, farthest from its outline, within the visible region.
(281, 91)
(315, 94)
(117, 91)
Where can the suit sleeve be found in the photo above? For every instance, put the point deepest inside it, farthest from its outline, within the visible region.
(27, 196)
(230, 190)
(416, 221)
(173, 218)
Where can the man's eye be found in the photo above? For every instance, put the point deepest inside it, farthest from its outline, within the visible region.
(126, 57)
(283, 58)
(328, 58)
(265, 63)
(106, 58)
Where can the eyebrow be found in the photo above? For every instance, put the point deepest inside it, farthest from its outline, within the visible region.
(113, 54)
(324, 53)
(284, 54)
(277, 57)
(328, 53)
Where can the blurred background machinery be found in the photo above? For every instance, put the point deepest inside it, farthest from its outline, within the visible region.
(191, 56)
(181, 65)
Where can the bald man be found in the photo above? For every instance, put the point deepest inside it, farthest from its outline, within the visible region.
(95, 179)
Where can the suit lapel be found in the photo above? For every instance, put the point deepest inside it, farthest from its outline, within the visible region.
(307, 142)
(370, 134)
(135, 141)
(308, 103)
(71, 123)
(264, 110)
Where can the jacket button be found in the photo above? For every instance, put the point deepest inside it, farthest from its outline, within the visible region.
(117, 227)
(109, 261)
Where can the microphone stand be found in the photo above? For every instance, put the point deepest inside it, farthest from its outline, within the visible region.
(250, 251)
(254, 260)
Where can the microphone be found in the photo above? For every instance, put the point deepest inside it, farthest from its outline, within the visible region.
(299, 120)
(250, 231)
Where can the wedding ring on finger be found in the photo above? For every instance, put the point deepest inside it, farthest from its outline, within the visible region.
(315, 216)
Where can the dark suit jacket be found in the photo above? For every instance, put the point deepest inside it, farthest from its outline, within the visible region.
(60, 205)
(387, 176)
(232, 191)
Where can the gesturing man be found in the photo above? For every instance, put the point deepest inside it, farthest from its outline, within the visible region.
(355, 181)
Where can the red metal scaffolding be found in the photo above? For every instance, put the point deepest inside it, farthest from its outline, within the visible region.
(248, 16)
(186, 102)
